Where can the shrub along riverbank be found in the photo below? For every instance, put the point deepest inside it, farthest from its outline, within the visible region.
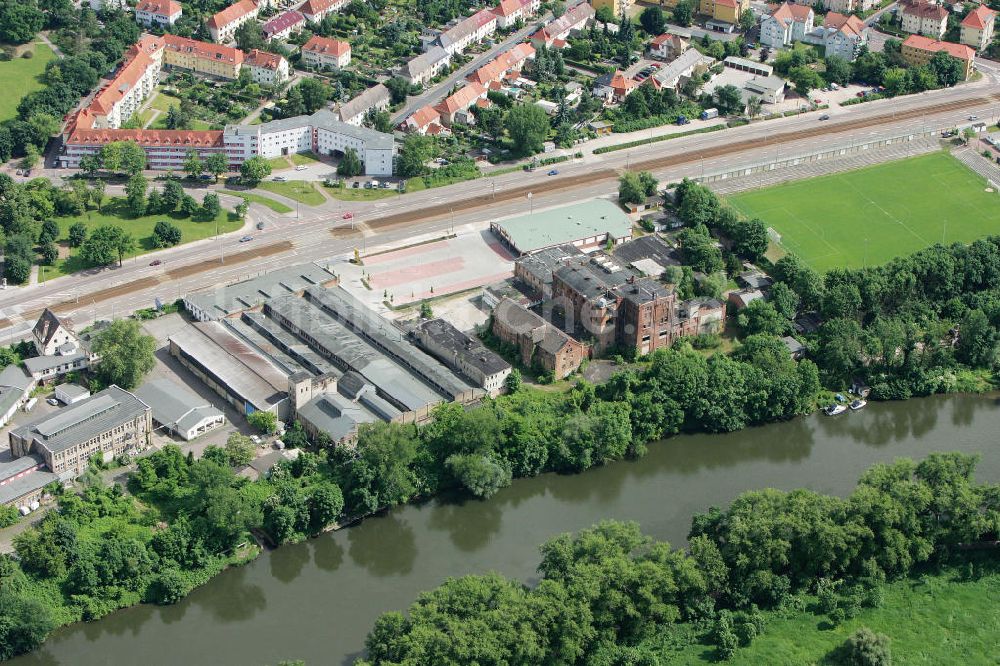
(610, 595)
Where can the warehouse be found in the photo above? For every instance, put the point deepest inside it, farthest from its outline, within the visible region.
(232, 299)
(179, 410)
(587, 226)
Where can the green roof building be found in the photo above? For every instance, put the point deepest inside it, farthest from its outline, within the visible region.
(586, 225)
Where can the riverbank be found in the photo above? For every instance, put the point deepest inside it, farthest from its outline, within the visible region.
(337, 584)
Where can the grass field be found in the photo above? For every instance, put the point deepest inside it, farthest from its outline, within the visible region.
(141, 228)
(872, 215)
(360, 194)
(934, 620)
(276, 206)
(297, 190)
(20, 76)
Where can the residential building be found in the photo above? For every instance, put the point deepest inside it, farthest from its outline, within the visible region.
(283, 25)
(376, 98)
(505, 63)
(165, 149)
(539, 343)
(321, 52)
(461, 101)
(464, 354)
(179, 410)
(422, 119)
(420, 69)
(616, 6)
(315, 10)
(15, 387)
(977, 27)
(216, 60)
(588, 226)
(266, 68)
(668, 46)
(726, 11)
(471, 30)
(510, 12)
(786, 24)
(557, 31)
(50, 333)
(918, 50)
(157, 12)
(615, 87)
(223, 25)
(923, 17)
(677, 72)
(770, 89)
(122, 96)
(843, 36)
(108, 424)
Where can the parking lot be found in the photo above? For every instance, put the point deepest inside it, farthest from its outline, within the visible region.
(792, 101)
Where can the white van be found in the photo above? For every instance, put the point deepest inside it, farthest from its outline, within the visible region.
(28, 406)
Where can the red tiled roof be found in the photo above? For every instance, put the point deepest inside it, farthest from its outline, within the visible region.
(325, 46)
(496, 68)
(159, 7)
(150, 138)
(282, 22)
(621, 82)
(462, 99)
(960, 51)
(258, 58)
(508, 7)
(231, 13)
(424, 116)
(728, 3)
(206, 50)
(313, 7)
(979, 18)
(136, 63)
(849, 24)
(792, 12)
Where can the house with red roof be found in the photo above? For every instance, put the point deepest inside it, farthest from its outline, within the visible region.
(509, 61)
(122, 96)
(422, 119)
(510, 12)
(977, 27)
(555, 33)
(460, 102)
(322, 52)
(157, 12)
(844, 35)
(283, 25)
(668, 46)
(785, 24)
(315, 10)
(918, 50)
(266, 68)
(222, 25)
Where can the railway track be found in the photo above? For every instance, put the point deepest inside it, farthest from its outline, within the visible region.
(658, 163)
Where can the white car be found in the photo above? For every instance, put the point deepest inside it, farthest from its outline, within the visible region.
(301, 167)
(53, 402)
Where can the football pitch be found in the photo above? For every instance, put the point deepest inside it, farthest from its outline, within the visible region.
(871, 215)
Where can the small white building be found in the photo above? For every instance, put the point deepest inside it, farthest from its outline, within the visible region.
(770, 89)
(266, 68)
(68, 394)
(320, 52)
(179, 410)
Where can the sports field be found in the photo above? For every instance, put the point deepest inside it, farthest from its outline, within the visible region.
(869, 216)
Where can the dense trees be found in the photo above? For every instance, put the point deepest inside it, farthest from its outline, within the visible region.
(527, 125)
(350, 164)
(606, 589)
(126, 353)
(254, 170)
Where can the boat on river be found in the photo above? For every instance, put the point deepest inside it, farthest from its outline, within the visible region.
(833, 410)
(858, 404)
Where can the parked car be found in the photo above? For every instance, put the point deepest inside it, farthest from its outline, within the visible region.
(204, 176)
(356, 185)
(348, 215)
(824, 117)
(301, 167)
(860, 94)
(279, 179)
(155, 262)
(260, 225)
(246, 239)
(973, 117)
(53, 402)
(554, 172)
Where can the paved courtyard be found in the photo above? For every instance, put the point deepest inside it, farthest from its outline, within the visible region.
(430, 270)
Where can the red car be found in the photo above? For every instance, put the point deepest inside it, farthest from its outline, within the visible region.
(348, 215)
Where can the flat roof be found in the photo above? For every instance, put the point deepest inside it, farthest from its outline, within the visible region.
(233, 363)
(230, 299)
(566, 224)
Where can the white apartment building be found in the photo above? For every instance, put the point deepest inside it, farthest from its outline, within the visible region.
(924, 18)
(786, 24)
(320, 52)
(266, 68)
(223, 25)
(468, 31)
(510, 11)
(157, 12)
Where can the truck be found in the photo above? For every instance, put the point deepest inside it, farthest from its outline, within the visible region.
(708, 114)
(682, 120)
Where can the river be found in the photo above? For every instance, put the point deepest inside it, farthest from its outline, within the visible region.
(316, 600)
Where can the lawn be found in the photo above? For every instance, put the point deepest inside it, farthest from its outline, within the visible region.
(360, 194)
(872, 215)
(303, 158)
(141, 228)
(298, 190)
(276, 206)
(21, 76)
(933, 620)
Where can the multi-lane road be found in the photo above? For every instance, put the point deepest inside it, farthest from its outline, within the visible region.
(322, 234)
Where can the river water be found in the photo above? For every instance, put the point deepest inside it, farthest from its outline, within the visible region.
(316, 600)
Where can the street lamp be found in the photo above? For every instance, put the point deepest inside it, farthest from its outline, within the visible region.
(531, 206)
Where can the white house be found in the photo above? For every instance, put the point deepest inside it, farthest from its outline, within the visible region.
(424, 67)
(283, 25)
(266, 68)
(320, 52)
(223, 25)
(786, 24)
(471, 30)
(844, 35)
(922, 17)
(510, 12)
(315, 10)
(377, 97)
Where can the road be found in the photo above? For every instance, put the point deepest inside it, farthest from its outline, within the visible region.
(321, 234)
